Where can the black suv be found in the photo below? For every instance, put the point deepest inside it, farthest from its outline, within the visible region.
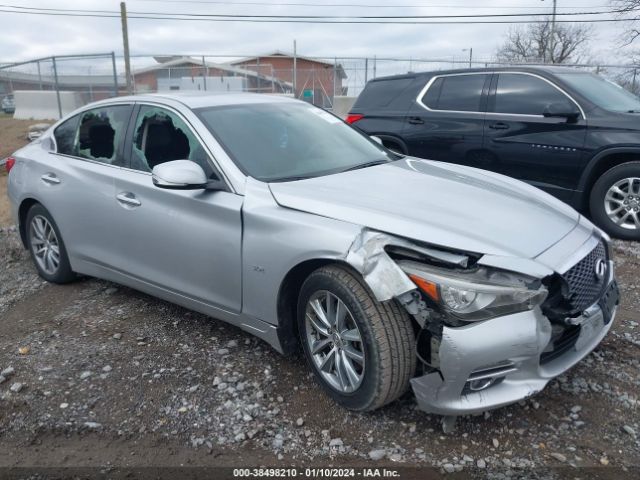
(571, 133)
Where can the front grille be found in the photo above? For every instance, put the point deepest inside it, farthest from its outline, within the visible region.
(584, 285)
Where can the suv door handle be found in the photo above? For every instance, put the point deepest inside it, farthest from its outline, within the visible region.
(499, 126)
(128, 199)
(415, 121)
(50, 178)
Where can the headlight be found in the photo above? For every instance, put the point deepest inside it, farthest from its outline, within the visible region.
(476, 295)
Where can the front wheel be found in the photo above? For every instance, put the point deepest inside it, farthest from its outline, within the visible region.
(615, 201)
(361, 351)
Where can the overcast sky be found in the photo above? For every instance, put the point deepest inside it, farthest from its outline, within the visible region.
(30, 36)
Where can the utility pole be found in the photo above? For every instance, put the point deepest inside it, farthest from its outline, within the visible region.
(295, 70)
(552, 39)
(470, 55)
(125, 41)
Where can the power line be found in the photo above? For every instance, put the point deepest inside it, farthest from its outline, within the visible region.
(408, 20)
(356, 5)
(132, 14)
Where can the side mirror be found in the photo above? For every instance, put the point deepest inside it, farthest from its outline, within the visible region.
(376, 139)
(179, 175)
(562, 110)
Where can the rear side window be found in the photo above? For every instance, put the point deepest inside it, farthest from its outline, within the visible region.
(100, 132)
(462, 93)
(380, 93)
(526, 95)
(65, 135)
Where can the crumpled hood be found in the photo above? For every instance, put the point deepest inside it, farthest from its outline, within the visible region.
(439, 203)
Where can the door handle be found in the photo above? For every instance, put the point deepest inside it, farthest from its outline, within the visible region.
(50, 178)
(499, 126)
(415, 121)
(128, 199)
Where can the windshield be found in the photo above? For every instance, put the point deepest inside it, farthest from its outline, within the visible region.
(287, 141)
(603, 93)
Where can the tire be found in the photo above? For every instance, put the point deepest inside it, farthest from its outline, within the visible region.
(604, 201)
(387, 340)
(43, 233)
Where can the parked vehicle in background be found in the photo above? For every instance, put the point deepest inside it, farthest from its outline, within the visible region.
(274, 215)
(8, 103)
(571, 133)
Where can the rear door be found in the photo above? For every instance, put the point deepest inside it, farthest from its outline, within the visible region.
(185, 241)
(77, 184)
(381, 109)
(446, 122)
(522, 143)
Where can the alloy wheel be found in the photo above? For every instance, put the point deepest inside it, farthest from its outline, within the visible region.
(44, 244)
(622, 203)
(334, 341)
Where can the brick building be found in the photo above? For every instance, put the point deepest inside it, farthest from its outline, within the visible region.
(316, 80)
(187, 73)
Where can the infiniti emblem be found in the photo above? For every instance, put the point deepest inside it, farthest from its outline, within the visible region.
(600, 268)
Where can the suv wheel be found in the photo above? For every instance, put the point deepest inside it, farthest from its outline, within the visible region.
(361, 351)
(46, 246)
(615, 201)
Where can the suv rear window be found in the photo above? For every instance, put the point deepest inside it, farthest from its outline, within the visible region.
(380, 93)
(461, 93)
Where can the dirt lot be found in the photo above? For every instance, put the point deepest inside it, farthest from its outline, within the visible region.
(104, 376)
(12, 136)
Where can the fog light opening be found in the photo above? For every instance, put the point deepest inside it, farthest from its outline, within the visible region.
(480, 384)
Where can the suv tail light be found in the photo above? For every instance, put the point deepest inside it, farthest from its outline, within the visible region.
(9, 163)
(354, 117)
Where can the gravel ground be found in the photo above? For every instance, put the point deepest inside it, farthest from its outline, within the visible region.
(94, 374)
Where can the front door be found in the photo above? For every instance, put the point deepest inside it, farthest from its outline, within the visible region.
(187, 242)
(523, 143)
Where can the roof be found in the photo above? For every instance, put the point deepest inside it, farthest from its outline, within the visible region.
(548, 69)
(178, 61)
(280, 53)
(194, 99)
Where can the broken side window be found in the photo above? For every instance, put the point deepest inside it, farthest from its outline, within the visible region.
(100, 132)
(162, 136)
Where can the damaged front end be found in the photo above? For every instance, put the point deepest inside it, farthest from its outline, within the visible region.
(485, 334)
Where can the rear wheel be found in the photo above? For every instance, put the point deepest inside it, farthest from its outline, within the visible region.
(46, 246)
(361, 351)
(615, 201)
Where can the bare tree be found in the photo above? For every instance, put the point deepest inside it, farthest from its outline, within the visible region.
(628, 9)
(534, 43)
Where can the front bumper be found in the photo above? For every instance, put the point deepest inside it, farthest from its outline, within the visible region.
(508, 351)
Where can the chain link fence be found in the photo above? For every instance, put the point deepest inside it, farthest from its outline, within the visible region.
(51, 87)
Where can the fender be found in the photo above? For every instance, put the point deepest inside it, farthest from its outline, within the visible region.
(595, 160)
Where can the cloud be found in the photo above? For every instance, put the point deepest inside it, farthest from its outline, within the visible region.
(30, 36)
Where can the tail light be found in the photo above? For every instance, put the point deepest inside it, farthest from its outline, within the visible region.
(354, 117)
(9, 163)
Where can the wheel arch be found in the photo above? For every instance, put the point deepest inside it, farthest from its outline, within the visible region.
(385, 137)
(287, 303)
(24, 207)
(601, 163)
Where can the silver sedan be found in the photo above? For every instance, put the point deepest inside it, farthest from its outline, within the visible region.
(389, 272)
